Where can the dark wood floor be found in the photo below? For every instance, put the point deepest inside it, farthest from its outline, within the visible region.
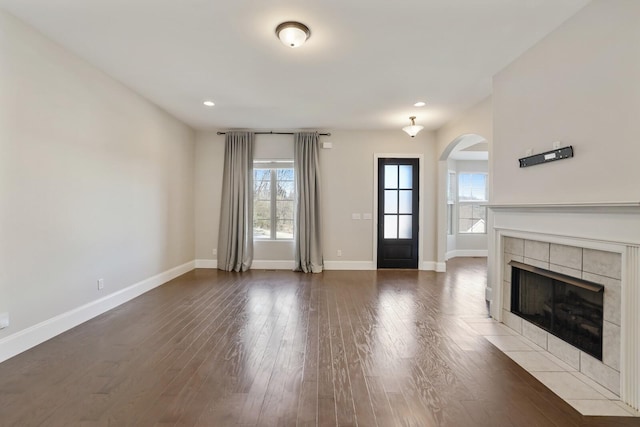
(367, 348)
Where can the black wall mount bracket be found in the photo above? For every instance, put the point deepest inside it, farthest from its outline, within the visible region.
(549, 156)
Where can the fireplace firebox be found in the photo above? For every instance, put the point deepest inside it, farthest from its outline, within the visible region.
(564, 306)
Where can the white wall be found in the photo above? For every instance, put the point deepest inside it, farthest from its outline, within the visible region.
(477, 120)
(347, 186)
(95, 182)
(580, 86)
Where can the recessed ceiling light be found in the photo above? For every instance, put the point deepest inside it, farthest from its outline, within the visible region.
(209, 103)
(420, 104)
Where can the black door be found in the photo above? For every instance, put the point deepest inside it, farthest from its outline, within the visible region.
(398, 213)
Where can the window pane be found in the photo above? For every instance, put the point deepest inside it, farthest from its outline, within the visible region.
(465, 211)
(391, 176)
(284, 209)
(449, 219)
(472, 187)
(284, 174)
(465, 225)
(479, 212)
(390, 201)
(273, 220)
(472, 217)
(405, 201)
(284, 229)
(285, 190)
(406, 176)
(262, 220)
(464, 181)
(404, 227)
(261, 184)
(451, 195)
(261, 174)
(391, 226)
(479, 226)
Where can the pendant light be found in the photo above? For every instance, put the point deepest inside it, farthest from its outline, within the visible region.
(412, 130)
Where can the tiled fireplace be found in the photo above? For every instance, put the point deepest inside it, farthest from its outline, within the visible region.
(599, 244)
(596, 266)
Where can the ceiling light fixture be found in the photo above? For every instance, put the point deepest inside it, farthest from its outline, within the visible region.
(412, 130)
(293, 34)
(209, 103)
(420, 104)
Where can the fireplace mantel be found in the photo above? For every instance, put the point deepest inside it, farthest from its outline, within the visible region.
(607, 226)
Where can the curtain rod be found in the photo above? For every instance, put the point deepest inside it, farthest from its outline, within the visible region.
(276, 133)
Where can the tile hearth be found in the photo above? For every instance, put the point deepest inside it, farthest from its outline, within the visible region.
(575, 388)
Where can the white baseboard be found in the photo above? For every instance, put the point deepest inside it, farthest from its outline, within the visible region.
(467, 253)
(428, 266)
(258, 264)
(206, 263)
(328, 265)
(30, 337)
(349, 265)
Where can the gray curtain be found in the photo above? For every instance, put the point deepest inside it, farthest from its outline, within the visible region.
(235, 241)
(308, 230)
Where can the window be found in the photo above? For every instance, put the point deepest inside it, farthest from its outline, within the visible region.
(451, 201)
(273, 200)
(472, 194)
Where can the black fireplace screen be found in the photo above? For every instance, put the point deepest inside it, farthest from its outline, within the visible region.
(569, 308)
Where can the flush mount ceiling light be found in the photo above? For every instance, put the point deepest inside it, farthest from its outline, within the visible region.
(209, 103)
(293, 34)
(420, 104)
(412, 130)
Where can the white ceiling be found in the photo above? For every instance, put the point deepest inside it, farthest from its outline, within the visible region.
(367, 61)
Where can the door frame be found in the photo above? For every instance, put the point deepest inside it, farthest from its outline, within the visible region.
(421, 230)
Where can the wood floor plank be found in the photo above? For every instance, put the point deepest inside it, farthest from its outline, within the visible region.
(278, 348)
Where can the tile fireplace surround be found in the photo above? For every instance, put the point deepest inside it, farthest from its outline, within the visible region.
(596, 242)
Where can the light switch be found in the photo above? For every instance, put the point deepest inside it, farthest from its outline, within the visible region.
(367, 216)
(355, 216)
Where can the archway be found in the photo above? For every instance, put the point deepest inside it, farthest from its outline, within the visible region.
(468, 154)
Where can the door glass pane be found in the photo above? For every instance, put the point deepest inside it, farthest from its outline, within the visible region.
(391, 226)
(391, 176)
(390, 201)
(405, 201)
(406, 175)
(405, 227)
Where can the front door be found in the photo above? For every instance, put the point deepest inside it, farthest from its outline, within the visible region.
(398, 213)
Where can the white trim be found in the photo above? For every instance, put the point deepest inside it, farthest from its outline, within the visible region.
(429, 266)
(441, 267)
(206, 263)
(25, 339)
(349, 265)
(466, 253)
(272, 265)
(421, 183)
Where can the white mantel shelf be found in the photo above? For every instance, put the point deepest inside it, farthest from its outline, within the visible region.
(581, 206)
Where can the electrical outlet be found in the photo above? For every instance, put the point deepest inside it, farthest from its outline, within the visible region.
(4, 320)
(556, 145)
(339, 252)
(215, 252)
(100, 284)
(529, 152)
